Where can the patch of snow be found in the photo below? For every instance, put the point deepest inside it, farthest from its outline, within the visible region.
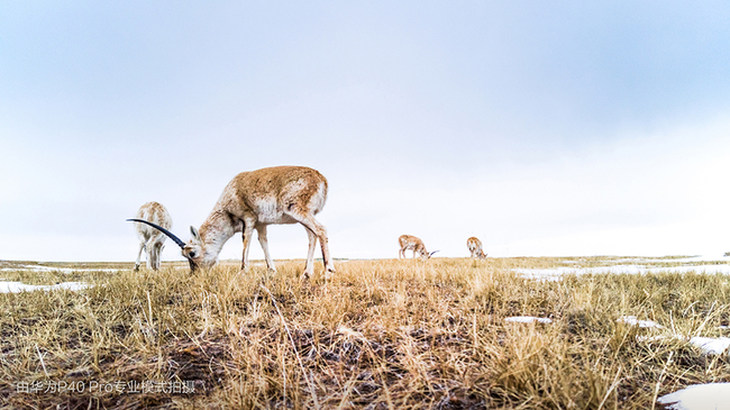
(714, 396)
(711, 345)
(708, 345)
(41, 268)
(699, 258)
(17, 287)
(554, 274)
(528, 319)
(631, 269)
(633, 321)
(704, 269)
(689, 259)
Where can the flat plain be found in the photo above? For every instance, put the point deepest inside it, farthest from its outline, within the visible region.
(582, 332)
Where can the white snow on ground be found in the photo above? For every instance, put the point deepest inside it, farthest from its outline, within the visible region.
(689, 259)
(631, 320)
(41, 268)
(698, 258)
(554, 274)
(711, 345)
(636, 266)
(707, 269)
(528, 319)
(715, 396)
(708, 345)
(16, 287)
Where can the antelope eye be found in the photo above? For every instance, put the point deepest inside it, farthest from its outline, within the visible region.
(192, 254)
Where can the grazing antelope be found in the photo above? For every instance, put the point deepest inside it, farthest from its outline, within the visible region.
(254, 200)
(409, 242)
(151, 240)
(475, 247)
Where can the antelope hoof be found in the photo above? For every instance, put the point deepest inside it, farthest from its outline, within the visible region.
(328, 272)
(136, 268)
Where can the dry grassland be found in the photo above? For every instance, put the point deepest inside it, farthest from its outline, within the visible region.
(381, 334)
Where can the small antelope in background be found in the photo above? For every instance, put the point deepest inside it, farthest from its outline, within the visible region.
(409, 242)
(151, 240)
(254, 200)
(475, 247)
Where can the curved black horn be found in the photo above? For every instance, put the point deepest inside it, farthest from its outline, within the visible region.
(431, 254)
(177, 240)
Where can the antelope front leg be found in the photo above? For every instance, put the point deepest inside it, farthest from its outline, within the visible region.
(329, 267)
(139, 256)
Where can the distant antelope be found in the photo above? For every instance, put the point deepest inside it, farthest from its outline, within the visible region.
(475, 247)
(254, 200)
(409, 242)
(151, 240)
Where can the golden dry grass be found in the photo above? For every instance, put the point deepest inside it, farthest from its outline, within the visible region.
(381, 334)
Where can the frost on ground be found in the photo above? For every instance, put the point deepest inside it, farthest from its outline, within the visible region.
(554, 274)
(690, 259)
(699, 397)
(17, 287)
(41, 268)
(528, 319)
(638, 266)
(708, 345)
(711, 345)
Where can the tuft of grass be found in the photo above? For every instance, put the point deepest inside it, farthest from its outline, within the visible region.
(381, 333)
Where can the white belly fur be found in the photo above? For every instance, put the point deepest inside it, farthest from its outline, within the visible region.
(269, 212)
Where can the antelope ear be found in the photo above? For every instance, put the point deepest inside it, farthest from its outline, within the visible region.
(195, 234)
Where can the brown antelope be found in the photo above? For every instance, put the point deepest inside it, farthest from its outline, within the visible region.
(475, 247)
(409, 242)
(254, 200)
(151, 240)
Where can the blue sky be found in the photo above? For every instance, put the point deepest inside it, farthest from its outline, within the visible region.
(555, 128)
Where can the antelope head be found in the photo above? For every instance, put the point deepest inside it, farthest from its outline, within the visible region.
(425, 255)
(193, 251)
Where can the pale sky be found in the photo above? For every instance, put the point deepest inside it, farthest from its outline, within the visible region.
(543, 128)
